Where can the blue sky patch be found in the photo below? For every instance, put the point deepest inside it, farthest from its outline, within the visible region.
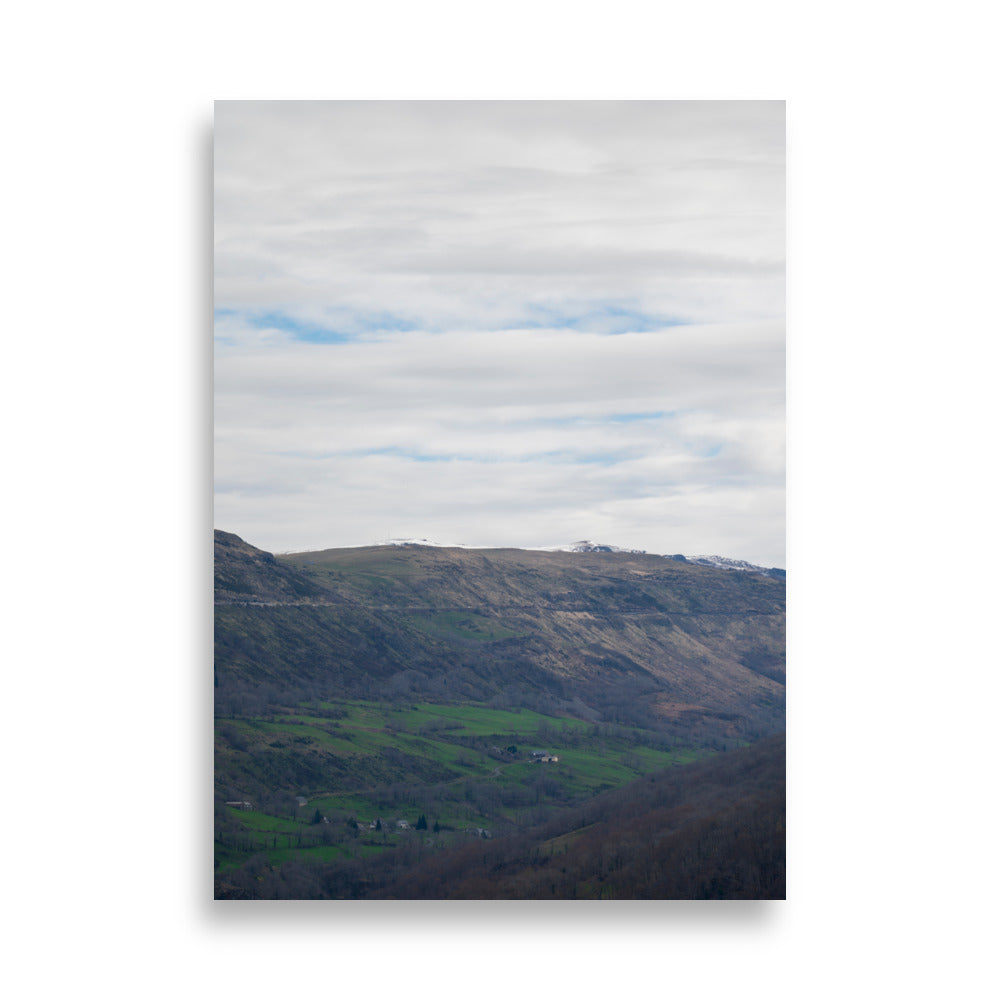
(560, 457)
(631, 418)
(591, 421)
(339, 330)
(345, 325)
(606, 319)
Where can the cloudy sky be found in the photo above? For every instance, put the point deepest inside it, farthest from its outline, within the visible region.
(522, 323)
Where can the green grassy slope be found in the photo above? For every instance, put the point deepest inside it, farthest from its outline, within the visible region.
(619, 634)
(459, 764)
(711, 830)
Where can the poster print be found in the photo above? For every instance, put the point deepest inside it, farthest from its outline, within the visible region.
(499, 500)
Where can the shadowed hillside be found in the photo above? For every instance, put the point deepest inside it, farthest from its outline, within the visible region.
(709, 830)
(617, 637)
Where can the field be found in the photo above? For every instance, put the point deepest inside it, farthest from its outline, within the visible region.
(332, 780)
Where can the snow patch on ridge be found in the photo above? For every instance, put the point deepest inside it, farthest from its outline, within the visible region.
(428, 541)
(588, 546)
(736, 565)
(717, 562)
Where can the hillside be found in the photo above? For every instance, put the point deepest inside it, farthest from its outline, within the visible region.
(363, 694)
(619, 636)
(710, 830)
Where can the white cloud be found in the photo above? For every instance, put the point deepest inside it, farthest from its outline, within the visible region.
(467, 213)
(470, 221)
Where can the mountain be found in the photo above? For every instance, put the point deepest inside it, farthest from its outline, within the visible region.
(720, 562)
(612, 636)
(735, 565)
(413, 721)
(587, 546)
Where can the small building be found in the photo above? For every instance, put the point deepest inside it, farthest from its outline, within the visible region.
(301, 800)
(242, 804)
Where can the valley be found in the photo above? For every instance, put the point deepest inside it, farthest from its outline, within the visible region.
(403, 702)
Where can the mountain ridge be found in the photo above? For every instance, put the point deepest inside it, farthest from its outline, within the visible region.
(525, 724)
(585, 545)
(627, 635)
